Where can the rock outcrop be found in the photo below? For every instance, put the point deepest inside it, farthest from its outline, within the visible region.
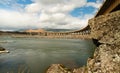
(3, 50)
(106, 30)
(58, 68)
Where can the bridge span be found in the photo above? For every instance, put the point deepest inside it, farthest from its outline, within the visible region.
(40, 33)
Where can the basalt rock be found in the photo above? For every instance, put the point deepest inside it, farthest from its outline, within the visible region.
(106, 60)
(2, 49)
(58, 68)
(105, 30)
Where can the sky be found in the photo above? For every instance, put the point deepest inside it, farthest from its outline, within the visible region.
(54, 14)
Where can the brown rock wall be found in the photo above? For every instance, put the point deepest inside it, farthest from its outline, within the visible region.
(106, 59)
(106, 29)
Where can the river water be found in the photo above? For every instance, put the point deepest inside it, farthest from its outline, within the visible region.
(35, 55)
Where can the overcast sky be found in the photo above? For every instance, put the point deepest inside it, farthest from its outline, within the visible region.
(55, 14)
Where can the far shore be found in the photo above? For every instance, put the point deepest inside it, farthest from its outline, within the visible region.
(54, 36)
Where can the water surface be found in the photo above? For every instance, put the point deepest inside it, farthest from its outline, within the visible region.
(36, 55)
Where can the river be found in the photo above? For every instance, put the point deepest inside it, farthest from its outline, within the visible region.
(35, 55)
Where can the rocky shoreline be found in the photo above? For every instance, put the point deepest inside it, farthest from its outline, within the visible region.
(3, 50)
(106, 59)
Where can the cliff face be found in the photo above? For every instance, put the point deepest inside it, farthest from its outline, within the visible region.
(106, 30)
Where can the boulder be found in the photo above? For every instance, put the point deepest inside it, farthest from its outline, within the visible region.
(58, 68)
(3, 50)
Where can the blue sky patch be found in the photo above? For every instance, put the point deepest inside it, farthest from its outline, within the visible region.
(25, 2)
(91, 0)
(77, 12)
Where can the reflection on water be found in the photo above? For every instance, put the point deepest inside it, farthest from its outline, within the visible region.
(36, 55)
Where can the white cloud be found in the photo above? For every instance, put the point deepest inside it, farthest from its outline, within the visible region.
(33, 8)
(45, 14)
(12, 19)
(60, 5)
(95, 5)
(44, 17)
(58, 15)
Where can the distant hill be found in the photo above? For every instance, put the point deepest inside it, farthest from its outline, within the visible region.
(53, 30)
(59, 30)
(35, 30)
(46, 29)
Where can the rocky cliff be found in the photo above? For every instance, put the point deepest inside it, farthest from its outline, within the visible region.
(106, 30)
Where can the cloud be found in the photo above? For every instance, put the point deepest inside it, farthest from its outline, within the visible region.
(93, 4)
(15, 20)
(18, 20)
(55, 13)
(44, 14)
(33, 8)
(96, 4)
(53, 6)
